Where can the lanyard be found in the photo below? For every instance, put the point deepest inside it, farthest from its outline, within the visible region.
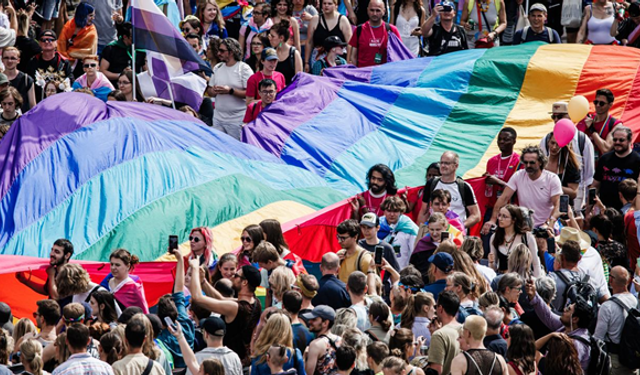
(373, 36)
(604, 125)
(508, 164)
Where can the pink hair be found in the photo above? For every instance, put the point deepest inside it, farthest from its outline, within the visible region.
(208, 240)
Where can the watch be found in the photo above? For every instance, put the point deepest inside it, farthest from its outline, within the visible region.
(231, 91)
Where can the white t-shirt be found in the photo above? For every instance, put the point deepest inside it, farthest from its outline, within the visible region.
(457, 205)
(536, 195)
(591, 264)
(229, 108)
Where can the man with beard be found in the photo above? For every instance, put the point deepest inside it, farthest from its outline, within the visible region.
(241, 315)
(600, 125)
(382, 184)
(463, 200)
(538, 190)
(616, 166)
(61, 252)
(320, 321)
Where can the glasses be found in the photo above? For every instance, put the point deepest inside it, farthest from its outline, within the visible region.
(194, 239)
(122, 83)
(186, 31)
(342, 238)
(260, 13)
(256, 44)
(238, 275)
(529, 162)
(246, 239)
(267, 92)
(447, 163)
(619, 140)
(47, 40)
(10, 58)
(558, 116)
(600, 103)
(86, 66)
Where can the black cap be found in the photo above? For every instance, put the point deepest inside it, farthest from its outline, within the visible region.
(634, 10)
(252, 275)
(332, 41)
(215, 326)
(49, 33)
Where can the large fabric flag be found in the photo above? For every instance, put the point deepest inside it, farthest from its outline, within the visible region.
(165, 80)
(153, 31)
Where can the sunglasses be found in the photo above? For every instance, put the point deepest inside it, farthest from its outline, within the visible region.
(238, 275)
(194, 239)
(47, 40)
(90, 65)
(558, 116)
(619, 140)
(246, 239)
(600, 103)
(529, 162)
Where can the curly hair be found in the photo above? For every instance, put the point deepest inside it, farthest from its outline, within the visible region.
(72, 279)
(234, 48)
(387, 175)
(542, 158)
(274, 9)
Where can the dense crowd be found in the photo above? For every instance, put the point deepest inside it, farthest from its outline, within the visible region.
(548, 287)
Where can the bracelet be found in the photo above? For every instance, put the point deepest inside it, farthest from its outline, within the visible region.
(231, 91)
(370, 271)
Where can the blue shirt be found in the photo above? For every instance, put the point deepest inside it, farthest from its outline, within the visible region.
(332, 292)
(533, 37)
(301, 336)
(436, 288)
(81, 364)
(188, 328)
(295, 361)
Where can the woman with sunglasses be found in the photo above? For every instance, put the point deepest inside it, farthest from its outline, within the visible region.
(201, 243)
(92, 79)
(251, 237)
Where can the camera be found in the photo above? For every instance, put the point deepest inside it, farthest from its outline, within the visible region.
(447, 6)
(540, 233)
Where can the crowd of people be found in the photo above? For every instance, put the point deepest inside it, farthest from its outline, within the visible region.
(255, 49)
(548, 287)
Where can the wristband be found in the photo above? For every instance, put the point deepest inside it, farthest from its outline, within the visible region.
(231, 91)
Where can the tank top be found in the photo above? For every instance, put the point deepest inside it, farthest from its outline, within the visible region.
(600, 30)
(491, 16)
(238, 337)
(405, 28)
(482, 362)
(321, 33)
(288, 66)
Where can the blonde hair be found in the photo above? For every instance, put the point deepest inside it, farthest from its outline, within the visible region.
(462, 262)
(438, 217)
(476, 325)
(394, 363)
(24, 326)
(277, 331)
(345, 318)
(31, 354)
(72, 279)
(465, 283)
(281, 280)
(519, 261)
(488, 299)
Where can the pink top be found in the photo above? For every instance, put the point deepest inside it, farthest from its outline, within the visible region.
(536, 195)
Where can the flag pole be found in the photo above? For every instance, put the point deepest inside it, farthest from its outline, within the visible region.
(173, 102)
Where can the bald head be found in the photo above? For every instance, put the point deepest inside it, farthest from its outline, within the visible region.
(619, 277)
(375, 11)
(376, 3)
(330, 262)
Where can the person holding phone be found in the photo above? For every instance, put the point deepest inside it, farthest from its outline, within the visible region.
(201, 243)
(408, 15)
(446, 36)
(511, 231)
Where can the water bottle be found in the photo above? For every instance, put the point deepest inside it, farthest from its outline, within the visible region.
(472, 24)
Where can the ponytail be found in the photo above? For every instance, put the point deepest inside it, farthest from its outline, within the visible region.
(408, 314)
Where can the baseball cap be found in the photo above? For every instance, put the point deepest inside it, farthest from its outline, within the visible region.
(215, 326)
(560, 107)
(448, 3)
(634, 10)
(3, 79)
(269, 54)
(370, 219)
(538, 6)
(323, 311)
(444, 261)
(252, 275)
(332, 41)
(49, 33)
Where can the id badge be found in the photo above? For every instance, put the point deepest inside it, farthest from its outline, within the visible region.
(378, 58)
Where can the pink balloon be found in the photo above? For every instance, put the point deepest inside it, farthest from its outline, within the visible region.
(564, 131)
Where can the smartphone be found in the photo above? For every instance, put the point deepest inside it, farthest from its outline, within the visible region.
(564, 204)
(592, 196)
(444, 236)
(551, 245)
(378, 254)
(173, 242)
(170, 323)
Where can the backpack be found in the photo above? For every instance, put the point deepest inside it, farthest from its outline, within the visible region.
(326, 365)
(629, 347)
(359, 31)
(599, 358)
(525, 31)
(581, 291)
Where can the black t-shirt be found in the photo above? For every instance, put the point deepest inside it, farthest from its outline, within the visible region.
(625, 28)
(441, 41)
(119, 59)
(23, 84)
(610, 171)
(388, 253)
(28, 48)
(58, 64)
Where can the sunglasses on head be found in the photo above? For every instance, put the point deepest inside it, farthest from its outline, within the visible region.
(600, 103)
(90, 65)
(194, 239)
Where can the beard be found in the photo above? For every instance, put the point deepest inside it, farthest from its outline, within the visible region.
(376, 189)
(57, 263)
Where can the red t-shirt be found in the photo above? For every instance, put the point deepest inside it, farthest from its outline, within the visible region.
(502, 168)
(372, 204)
(372, 40)
(253, 110)
(598, 126)
(633, 247)
(254, 82)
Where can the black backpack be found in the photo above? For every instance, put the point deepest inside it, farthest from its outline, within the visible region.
(599, 358)
(629, 347)
(579, 289)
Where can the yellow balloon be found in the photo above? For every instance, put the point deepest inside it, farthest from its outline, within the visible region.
(578, 108)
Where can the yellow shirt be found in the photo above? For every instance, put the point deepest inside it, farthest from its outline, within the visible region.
(348, 265)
